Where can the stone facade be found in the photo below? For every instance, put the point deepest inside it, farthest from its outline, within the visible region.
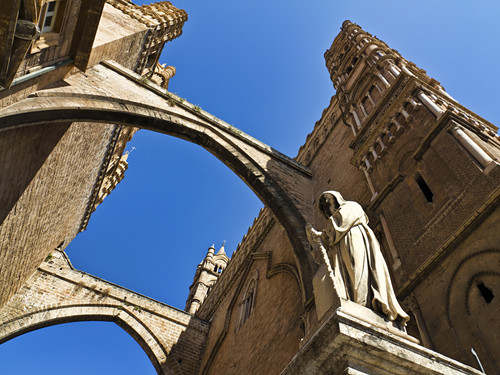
(75, 165)
(56, 293)
(424, 168)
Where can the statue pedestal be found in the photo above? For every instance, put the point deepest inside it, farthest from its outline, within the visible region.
(355, 340)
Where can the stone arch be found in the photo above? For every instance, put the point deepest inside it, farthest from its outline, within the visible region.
(468, 312)
(77, 313)
(110, 94)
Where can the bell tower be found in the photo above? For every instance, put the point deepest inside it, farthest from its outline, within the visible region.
(206, 275)
(432, 167)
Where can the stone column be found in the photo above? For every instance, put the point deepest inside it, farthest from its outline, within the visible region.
(399, 127)
(383, 147)
(431, 106)
(356, 118)
(363, 109)
(353, 128)
(414, 306)
(394, 70)
(477, 153)
(363, 167)
(382, 78)
(408, 118)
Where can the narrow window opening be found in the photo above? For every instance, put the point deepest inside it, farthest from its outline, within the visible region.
(485, 292)
(248, 301)
(426, 190)
(50, 17)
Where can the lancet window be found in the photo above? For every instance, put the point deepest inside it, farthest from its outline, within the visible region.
(247, 303)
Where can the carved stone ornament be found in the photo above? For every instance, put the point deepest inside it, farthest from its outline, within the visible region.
(352, 255)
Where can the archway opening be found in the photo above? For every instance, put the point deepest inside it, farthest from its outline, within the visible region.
(152, 231)
(75, 348)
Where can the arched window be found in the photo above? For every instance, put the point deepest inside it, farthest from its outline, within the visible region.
(247, 303)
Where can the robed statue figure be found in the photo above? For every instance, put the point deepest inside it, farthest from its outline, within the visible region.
(355, 260)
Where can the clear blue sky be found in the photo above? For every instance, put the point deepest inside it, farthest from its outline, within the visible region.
(259, 66)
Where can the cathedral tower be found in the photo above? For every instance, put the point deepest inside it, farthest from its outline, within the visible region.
(432, 168)
(207, 273)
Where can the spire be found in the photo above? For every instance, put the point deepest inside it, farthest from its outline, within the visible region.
(222, 250)
(206, 275)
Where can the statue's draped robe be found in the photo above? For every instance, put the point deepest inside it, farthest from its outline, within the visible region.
(359, 267)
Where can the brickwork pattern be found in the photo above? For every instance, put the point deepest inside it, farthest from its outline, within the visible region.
(107, 90)
(57, 293)
(47, 174)
(270, 336)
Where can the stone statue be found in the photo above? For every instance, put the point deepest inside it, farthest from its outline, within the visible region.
(352, 254)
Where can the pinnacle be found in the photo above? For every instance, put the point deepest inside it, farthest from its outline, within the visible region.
(222, 250)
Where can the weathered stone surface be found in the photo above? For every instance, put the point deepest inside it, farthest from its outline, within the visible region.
(57, 294)
(110, 93)
(354, 340)
(388, 140)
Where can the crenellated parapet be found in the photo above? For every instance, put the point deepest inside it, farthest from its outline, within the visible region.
(117, 166)
(162, 14)
(112, 169)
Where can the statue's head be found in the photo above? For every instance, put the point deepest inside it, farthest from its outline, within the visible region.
(329, 202)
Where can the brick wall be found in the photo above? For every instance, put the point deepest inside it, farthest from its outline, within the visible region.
(56, 293)
(48, 174)
(271, 335)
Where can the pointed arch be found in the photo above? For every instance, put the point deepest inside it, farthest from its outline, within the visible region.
(78, 313)
(109, 93)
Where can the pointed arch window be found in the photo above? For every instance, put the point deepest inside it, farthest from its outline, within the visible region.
(247, 303)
